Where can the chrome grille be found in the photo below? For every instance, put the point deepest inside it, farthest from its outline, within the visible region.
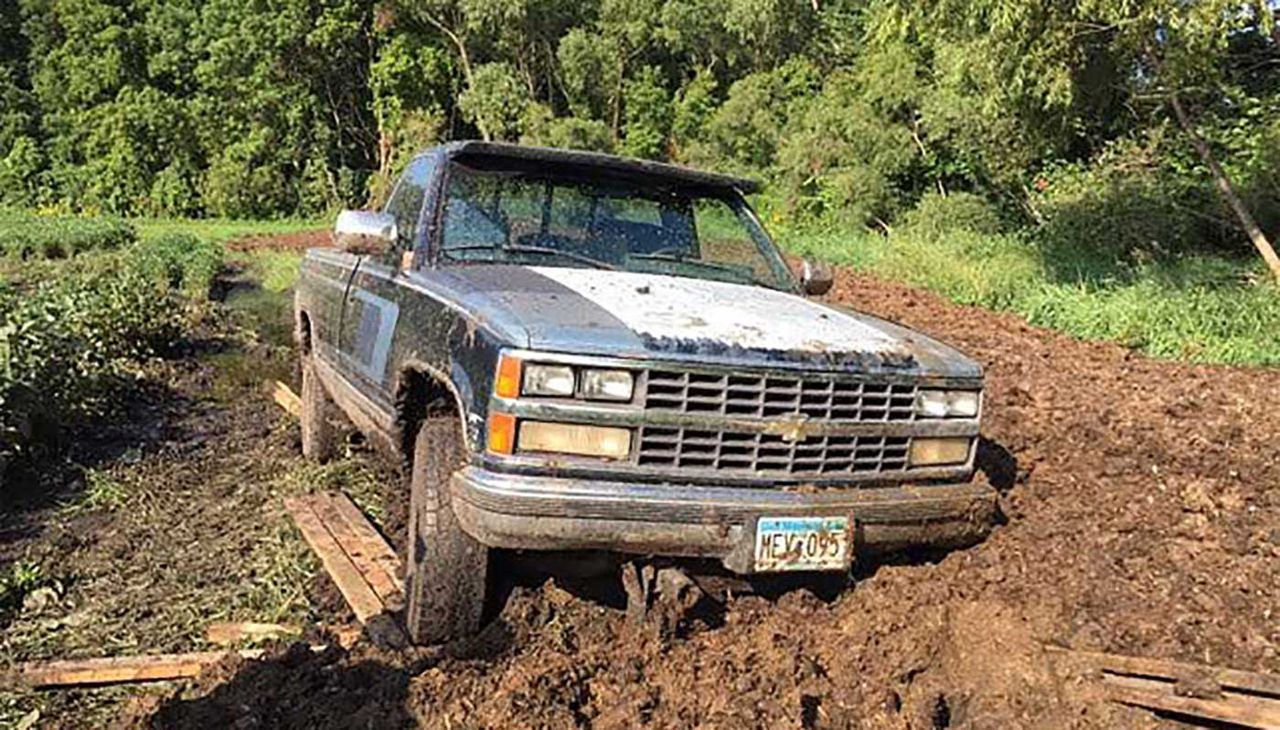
(820, 397)
(762, 453)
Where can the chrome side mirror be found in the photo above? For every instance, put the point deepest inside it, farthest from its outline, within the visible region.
(815, 278)
(365, 232)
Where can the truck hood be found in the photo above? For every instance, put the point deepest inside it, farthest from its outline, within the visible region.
(653, 316)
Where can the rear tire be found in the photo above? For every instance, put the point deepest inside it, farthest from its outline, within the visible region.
(317, 431)
(446, 583)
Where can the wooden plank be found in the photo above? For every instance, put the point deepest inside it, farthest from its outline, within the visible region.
(362, 599)
(1253, 682)
(1232, 707)
(117, 670)
(357, 552)
(284, 397)
(224, 633)
(368, 550)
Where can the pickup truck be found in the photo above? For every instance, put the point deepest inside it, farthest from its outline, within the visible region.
(571, 351)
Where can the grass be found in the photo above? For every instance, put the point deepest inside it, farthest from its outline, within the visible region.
(275, 271)
(1201, 308)
(102, 492)
(221, 230)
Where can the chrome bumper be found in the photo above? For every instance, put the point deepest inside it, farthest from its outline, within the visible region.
(549, 513)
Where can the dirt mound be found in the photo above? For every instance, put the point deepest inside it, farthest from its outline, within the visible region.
(1141, 519)
(300, 241)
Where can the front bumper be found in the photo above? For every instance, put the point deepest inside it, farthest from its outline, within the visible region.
(550, 513)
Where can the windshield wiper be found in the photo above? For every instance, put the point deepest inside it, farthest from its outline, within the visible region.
(713, 265)
(519, 248)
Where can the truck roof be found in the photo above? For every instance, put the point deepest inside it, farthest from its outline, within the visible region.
(642, 170)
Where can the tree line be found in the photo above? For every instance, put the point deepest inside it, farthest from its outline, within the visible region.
(851, 110)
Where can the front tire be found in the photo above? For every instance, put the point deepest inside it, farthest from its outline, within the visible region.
(448, 570)
(317, 431)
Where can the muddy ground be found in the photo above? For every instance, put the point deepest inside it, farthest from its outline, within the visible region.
(1142, 518)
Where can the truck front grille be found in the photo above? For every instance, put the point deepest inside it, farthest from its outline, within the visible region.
(769, 454)
(820, 397)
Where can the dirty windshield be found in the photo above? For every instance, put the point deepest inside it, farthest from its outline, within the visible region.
(504, 217)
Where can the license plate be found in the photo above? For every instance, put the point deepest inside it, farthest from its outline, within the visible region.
(802, 543)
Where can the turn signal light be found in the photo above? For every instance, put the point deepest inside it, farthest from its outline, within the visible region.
(507, 382)
(502, 433)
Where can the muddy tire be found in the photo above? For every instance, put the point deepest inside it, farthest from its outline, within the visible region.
(448, 570)
(317, 431)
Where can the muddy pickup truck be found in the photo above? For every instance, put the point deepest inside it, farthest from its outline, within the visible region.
(572, 351)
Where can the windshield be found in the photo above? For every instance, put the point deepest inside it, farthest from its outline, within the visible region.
(520, 218)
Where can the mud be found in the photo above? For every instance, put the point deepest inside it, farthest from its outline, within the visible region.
(299, 241)
(1141, 517)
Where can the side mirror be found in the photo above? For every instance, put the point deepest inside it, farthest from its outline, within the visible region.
(365, 232)
(815, 278)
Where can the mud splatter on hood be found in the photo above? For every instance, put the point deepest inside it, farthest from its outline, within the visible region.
(663, 308)
(668, 317)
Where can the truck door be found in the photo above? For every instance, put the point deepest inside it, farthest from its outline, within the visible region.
(373, 301)
(331, 271)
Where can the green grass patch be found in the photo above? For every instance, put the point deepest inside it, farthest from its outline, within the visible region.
(1204, 309)
(275, 271)
(221, 230)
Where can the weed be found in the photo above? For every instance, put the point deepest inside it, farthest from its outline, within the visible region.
(21, 579)
(102, 491)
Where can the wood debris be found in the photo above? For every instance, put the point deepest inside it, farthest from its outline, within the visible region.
(284, 397)
(119, 670)
(357, 558)
(227, 633)
(1246, 699)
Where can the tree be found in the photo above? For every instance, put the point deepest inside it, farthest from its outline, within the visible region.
(495, 101)
(1178, 49)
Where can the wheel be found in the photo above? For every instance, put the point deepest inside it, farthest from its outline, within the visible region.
(317, 432)
(447, 579)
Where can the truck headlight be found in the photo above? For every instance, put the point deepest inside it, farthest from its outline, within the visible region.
(947, 403)
(552, 380)
(938, 451)
(607, 385)
(574, 438)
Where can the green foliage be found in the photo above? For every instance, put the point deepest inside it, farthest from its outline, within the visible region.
(25, 236)
(852, 110)
(67, 344)
(1195, 308)
(495, 101)
(23, 577)
(648, 116)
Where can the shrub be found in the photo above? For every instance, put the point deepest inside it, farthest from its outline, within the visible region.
(68, 344)
(938, 215)
(1126, 209)
(28, 236)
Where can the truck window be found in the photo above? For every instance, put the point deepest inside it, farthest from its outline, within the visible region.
(505, 217)
(407, 198)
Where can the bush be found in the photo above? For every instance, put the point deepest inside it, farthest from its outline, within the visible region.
(67, 345)
(26, 236)
(1121, 212)
(939, 215)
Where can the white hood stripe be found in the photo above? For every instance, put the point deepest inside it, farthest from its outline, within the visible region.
(752, 317)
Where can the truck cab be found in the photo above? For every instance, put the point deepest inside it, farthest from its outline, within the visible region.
(575, 351)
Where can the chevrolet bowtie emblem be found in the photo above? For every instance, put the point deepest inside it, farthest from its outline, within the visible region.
(792, 431)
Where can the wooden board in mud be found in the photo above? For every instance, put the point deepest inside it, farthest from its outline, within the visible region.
(361, 563)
